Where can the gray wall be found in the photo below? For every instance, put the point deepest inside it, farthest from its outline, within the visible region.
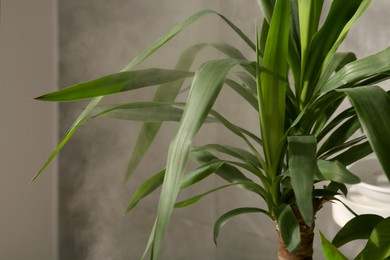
(99, 37)
(28, 129)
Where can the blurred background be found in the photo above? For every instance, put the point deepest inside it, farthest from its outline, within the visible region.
(75, 210)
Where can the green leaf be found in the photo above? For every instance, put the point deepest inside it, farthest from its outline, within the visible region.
(165, 93)
(272, 83)
(340, 13)
(303, 166)
(354, 153)
(147, 187)
(359, 12)
(338, 61)
(177, 29)
(330, 251)
(222, 220)
(356, 71)
(193, 200)
(378, 245)
(231, 174)
(289, 227)
(205, 88)
(200, 173)
(267, 7)
(340, 135)
(115, 83)
(309, 17)
(141, 111)
(359, 227)
(372, 106)
(335, 171)
(238, 153)
(77, 123)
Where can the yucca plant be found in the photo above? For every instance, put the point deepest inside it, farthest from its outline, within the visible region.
(296, 82)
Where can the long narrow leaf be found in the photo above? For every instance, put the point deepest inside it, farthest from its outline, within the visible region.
(356, 71)
(192, 200)
(77, 123)
(147, 187)
(378, 245)
(288, 227)
(222, 220)
(115, 83)
(169, 93)
(339, 15)
(272, 87)
(372, 106)
(205, 88)
(359, 227)
(302, 167)
(330, 251)
(335, 171)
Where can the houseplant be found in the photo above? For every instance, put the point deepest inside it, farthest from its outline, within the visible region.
(294, 117)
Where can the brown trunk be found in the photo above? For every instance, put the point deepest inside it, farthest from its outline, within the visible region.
(305, 250)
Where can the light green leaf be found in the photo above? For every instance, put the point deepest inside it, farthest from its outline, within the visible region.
(231, 174)
(356, 71)
(222, 220)
(309, 17)
(141, 111)
(205, 88)
(165, 93)
(378, 245)
(200, 173)
(190, 178)
(238, 153)
(330, 251)
(338, 61)
(272, 82)
(340, 13)
(303, 166)
(115, 83)
(372, 105)
(79, 122)
(288, 227)
(193, 200)
(359, 227)
(147, 187)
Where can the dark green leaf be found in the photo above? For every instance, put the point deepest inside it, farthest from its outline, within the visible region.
(335, 171)
(354, 153)
(288, 227)
(193, 200)
(222, 220)
(340, 135)
(372, 106)
(303, 166)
